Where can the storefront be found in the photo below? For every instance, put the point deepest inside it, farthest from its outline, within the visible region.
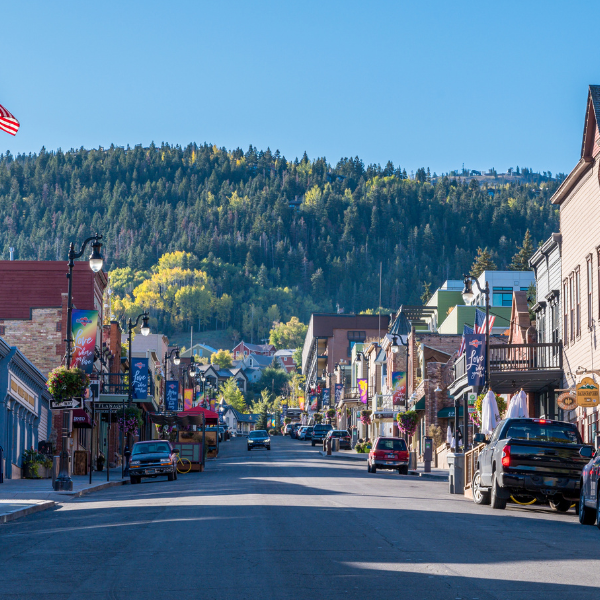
(25, 418)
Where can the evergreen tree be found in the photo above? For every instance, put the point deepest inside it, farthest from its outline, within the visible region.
(520, 261)
(483, 262)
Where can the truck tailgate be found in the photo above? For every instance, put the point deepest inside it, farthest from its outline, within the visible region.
(545, 458)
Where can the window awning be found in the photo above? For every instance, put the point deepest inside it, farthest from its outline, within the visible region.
(420, 405)
(448, 412)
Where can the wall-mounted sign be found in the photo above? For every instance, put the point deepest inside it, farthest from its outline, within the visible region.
(587, 392)
(567, 401)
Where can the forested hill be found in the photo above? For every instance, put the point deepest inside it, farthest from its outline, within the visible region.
(235, 212)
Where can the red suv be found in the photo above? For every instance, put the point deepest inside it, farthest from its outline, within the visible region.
(388, 453)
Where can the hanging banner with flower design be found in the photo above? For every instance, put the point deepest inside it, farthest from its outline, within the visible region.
(139, 377)
(84, 327)
(363, 388)
(188, 394)
(399, 387)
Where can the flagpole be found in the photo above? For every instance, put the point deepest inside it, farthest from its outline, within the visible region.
(487, 334)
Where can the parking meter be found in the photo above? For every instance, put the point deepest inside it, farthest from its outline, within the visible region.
(428, 454)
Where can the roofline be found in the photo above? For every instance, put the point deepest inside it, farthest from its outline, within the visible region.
(552, 242)
(571, 180)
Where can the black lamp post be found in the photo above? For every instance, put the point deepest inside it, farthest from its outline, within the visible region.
(145, 329)
(63, 482)
(468, 295)
(176, 361)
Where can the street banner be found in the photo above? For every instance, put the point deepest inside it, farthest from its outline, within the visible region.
(84, 327)
(326, 397)
(172, 402)
(188, 395)
(314, 403)
(301, 402)
(139, 377)
(198, 398)
(399, 387)
(284, 408)
(475, 344)
(338, 392)
(363, 388)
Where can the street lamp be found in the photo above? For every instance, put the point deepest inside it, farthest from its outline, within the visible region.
(63, 482)
(468, 296)
(145, 329)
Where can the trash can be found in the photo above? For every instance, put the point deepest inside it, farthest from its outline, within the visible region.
(335, 445)
(456, 477)
(412, 460)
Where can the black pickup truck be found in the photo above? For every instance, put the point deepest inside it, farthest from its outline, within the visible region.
(531, 458)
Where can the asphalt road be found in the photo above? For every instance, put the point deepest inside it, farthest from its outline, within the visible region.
(291, 524)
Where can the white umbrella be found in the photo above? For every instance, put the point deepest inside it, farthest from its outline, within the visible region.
(449, 435)
(517, 409)
(489, 413)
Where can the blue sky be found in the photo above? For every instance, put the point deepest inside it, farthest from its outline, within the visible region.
(433, 84)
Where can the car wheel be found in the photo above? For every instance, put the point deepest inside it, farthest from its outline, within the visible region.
(134, 480)
(495, 501)
(403, 470)
(368, 467)
(249, 448)
(268, 447)
(313, 443)
(586, 515)
(560, 505)
(479, 496)
(171, 476)
(373, 469)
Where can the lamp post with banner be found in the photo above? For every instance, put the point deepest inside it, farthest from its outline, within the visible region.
(63, 482)
(176, 361)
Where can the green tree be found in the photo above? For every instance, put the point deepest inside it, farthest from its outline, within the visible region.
(223, 358)
(233, 395)
(288, 335)
(426, 292)
(483, 262)
(520, 261)
(272, 380)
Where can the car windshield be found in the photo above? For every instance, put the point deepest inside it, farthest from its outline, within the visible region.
(151, 448)
(323, 427)
(258, 434)
(340, 433)
(389, 444)
(556, 433)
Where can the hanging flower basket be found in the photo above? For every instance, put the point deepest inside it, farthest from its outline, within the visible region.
(331, 413)
(318, 417)
(476, 416)
(365, 416)
(65, 383)
(407, 421)
(132, 421)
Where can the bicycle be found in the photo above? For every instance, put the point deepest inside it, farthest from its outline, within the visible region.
(184, 465)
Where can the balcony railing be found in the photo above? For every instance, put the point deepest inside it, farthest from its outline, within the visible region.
(518, 357)
(118, 384)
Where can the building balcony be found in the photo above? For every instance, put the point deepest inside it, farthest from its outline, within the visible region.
(531, 367)
(117, 384)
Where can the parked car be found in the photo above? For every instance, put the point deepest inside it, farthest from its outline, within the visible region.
(536, 458)
(589, 511)
(287, 429)
(319, 432)
(259, 439)
(294, 431)
(388, 453)
(305, 433)
(152, 459)
(342, 435)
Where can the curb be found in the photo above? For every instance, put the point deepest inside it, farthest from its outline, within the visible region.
(94, 488)
(429, 476)
(345, 456)
(22, 512)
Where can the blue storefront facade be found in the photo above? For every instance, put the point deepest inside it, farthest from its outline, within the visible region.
(25, 417)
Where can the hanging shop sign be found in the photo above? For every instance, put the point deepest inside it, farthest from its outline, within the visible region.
(587, 392)
(84, 327)
(399, 387)
(567, 401)
(363, 388)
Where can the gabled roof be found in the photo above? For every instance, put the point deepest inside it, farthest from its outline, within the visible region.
(257, 347)
(263, 361)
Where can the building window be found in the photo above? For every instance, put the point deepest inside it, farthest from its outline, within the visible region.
(2, 330)
(541, 318)
(565, 312)
(589, 291)
(355, 337)
(502, 296)
(59, 326)
(578, 302)
(571, 308)
(554, 317)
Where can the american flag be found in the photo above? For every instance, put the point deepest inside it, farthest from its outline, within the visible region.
(7, 122)
(466, 331)
(480, 321)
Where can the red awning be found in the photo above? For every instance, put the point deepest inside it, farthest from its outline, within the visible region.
(81, 418)
(212, 418)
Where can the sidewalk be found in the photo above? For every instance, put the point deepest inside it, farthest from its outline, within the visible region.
(20, 497)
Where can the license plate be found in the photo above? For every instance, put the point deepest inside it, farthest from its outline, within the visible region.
(390, 456)
(390, 462)
(151, 471)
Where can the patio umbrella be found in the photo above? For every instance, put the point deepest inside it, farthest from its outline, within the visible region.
(489, 413)
(517, 409)
(449, 435)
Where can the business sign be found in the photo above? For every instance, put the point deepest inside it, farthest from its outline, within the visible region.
(139, 376)
(70, 404)
(471, 399)
(105, 407)
(84, 327)
(363, 388)
(188, 395)
(339, 387)
(172, 400)
(398, 387)
(587, 392)
(475, 351)
(326, 397)
(314, 402)
(567, 401)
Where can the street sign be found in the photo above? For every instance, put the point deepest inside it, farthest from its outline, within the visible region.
(102, 407)
(472, 399)
(70, 404)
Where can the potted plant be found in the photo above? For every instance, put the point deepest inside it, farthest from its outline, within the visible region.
(64, 383)
(31, 464)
